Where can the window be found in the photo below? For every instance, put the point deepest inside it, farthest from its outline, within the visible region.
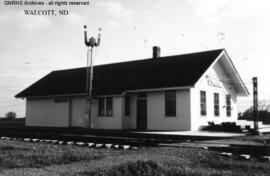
(109, 106)
(101, 106)
(216, 104)
(170, 103)
(142, 95)
(61, 100)
(228, 105)
(105, 105)
(127, 106)
(203, 103)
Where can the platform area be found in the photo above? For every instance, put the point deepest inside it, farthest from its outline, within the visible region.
(191, 133)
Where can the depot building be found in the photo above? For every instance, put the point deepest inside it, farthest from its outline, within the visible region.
(180, 92)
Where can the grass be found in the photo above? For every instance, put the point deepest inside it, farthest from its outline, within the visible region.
(173, 161)
(5, 122)
(22, 155)
(152, 168)
(21, 158)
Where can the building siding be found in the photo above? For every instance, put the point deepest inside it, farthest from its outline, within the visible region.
(111, 122)
(218, 75)
(47, 113)
(156, 119)
(78, 116)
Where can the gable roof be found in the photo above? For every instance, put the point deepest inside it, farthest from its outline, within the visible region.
(235, 77)
(163, 72)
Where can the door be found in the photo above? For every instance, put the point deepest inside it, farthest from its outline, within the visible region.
(142, 112)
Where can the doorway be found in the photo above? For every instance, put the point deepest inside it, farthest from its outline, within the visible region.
(142, 111)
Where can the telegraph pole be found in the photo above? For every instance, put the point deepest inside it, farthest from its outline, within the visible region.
(255, 104)
(90, 44)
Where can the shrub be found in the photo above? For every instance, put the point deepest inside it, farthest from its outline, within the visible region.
(224, 126)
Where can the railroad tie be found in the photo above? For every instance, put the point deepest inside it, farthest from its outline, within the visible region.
(35, 140)
(80, 143)
(116, 146)
(226, 154)
(70, 143)
(90, 145)
(244, 156)
(125, 147)
(99, 145)
(27, 139)
(205, 148)
(108, 145)
(60, 142)
(47, 140)
(134, 148)
(264, 158)
(54, 141)
(5, 138)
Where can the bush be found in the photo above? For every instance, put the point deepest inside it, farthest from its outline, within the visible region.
(224, 127)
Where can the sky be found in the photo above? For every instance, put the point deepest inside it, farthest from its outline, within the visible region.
(33, 46)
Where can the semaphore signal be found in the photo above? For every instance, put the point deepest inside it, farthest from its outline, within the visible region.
(90, 43)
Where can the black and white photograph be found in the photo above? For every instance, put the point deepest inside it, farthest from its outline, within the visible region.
(134, 88)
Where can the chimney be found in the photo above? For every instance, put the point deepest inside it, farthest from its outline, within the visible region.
(156, 52)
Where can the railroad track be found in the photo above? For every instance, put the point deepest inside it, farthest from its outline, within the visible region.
(238, 151)
(125, 140)
(252, 150)
(81, 138)
(82, 144)
(99, 136)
